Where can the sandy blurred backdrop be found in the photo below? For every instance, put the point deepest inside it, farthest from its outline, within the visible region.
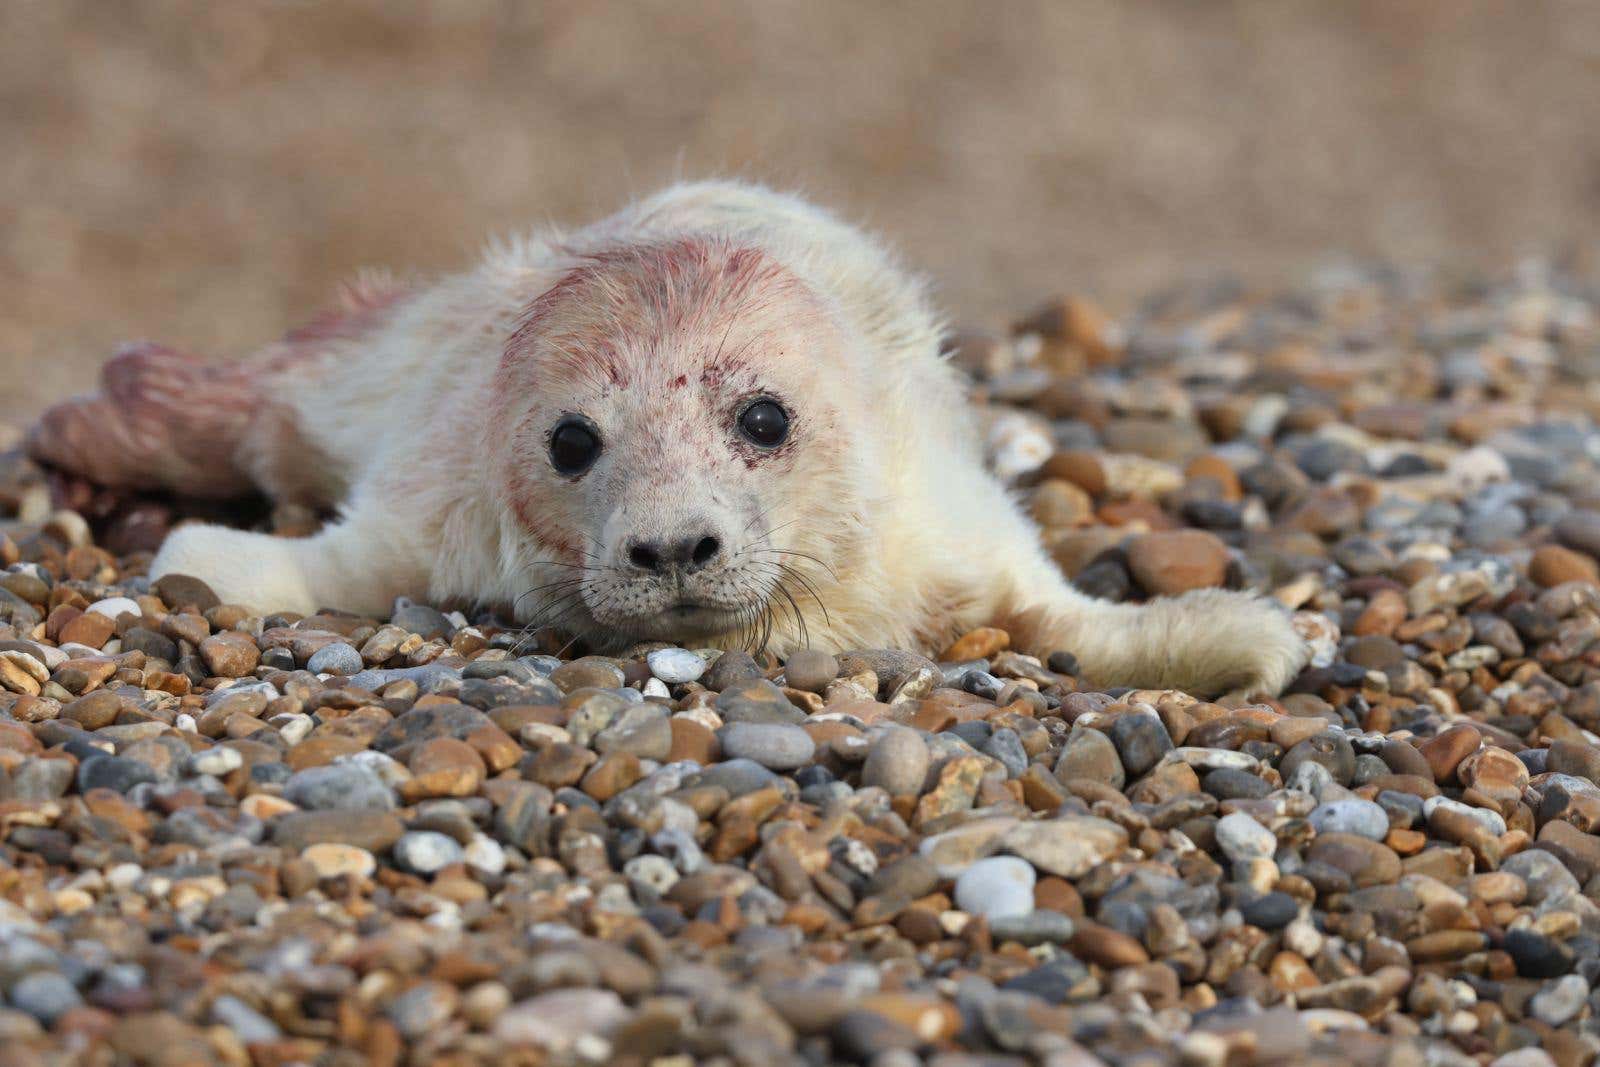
(203, 172)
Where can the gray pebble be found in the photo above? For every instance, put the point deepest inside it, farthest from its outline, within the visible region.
(112, 772)
(247, 1024)
(1035, 928)
(897, 761)
(644, 730)
(1141, 741)
(1005, 746)
(777, 746)
(810, 670)
(45, 995)
(338, 786)
(337, 658)
(429, 677)
(1351, 816)
(420, 619)
(730, 667)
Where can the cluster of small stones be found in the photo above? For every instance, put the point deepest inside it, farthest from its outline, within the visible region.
(227, 838)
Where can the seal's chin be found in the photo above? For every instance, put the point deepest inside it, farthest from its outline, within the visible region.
(682, 621)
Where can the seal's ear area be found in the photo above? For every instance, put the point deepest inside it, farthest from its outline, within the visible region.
(558, 330)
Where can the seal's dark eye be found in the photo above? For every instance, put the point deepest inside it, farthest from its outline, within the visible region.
(764, 423)
(574, 446)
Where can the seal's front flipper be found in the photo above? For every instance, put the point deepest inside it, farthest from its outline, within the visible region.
(358, 564)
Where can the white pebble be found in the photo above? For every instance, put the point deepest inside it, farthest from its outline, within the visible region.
(124, 875)
(215, 761)
(650, 872)
(426, 851)
(1241, 838)
(1559, 1001)
(1017, 444)
(53, 656)
(485, 855)
(998, 887)
(655, 687)
(292, 728)
(675, 665)
(388, 769)
(113, 606)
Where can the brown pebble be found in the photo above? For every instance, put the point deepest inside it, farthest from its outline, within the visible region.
(1382, 615)
(230, 654)
(442, 767)
(91, 628)
(981, 643)
(1166, 563)
(611, 774)
(1448, 749)
(1554, 565)
(692, 741)
(94, 710)
(1107, 947)
(1367, 862)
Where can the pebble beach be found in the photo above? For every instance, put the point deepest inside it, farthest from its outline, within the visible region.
(434, 838)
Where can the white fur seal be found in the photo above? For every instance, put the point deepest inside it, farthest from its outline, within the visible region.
(719, 417)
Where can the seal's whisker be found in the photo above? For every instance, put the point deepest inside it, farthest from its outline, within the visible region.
(564, 583)
(564, 603)
(757, 517)
(799, 617)
(785, 574)
(800, 555)
(806, 584)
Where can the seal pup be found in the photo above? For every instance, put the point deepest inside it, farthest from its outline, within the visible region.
(719, 417)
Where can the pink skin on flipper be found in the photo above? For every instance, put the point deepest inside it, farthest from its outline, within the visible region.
(166, 419)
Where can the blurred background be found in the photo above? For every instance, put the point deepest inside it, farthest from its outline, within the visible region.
(205, 172)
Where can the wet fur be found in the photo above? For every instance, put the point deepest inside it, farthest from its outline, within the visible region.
(423, 413)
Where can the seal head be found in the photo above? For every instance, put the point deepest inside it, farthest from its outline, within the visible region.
(672, 445)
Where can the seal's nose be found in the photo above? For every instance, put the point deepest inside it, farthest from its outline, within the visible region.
(688, 554)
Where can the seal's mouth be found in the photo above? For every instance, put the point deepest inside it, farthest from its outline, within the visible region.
(706, 605)
(692, 617)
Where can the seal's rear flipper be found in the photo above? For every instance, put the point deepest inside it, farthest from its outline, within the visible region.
(162, 420)
(1209, 641)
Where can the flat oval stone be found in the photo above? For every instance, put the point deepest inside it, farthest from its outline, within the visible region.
(897, 761)
(776, 746)
(675, 665)
(336, 658)
(1351, 816)
(1366, 862)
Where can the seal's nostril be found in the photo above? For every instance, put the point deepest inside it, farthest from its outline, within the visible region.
(706, 549)
(644, 556)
